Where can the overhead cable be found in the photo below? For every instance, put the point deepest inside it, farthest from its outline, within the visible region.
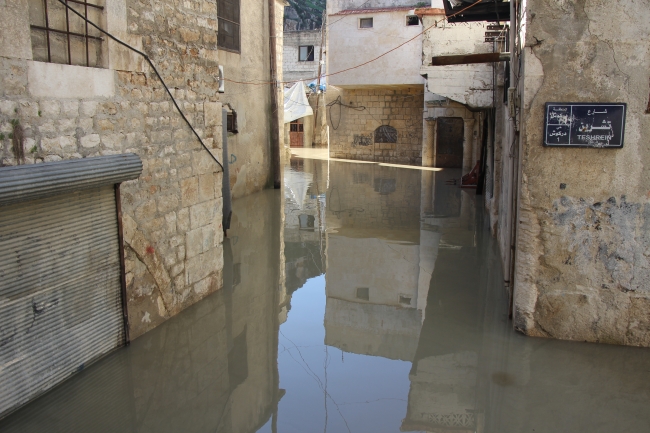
(364, 63)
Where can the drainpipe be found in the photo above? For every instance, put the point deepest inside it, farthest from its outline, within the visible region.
(275, 127)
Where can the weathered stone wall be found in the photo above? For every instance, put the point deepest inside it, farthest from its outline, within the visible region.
(294, 69)
(250, 149)
(582, 265)
(172, 213)
(352, 129)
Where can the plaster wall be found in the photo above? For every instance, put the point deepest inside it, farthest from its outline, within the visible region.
(468, 84)
(350, 46)
(334, 6)
(294, 69)
(582, 266)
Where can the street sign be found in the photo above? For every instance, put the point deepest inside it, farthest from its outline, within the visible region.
(575, 124)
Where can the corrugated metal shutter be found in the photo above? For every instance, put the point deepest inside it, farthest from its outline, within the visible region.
(60, 290)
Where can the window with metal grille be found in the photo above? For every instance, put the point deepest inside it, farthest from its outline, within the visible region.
(365, 23)
(60, 36)
(296, 127)
(306, 53)
(228, 16)
(385, 134)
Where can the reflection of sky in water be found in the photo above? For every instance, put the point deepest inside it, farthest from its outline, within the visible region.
(369, 393)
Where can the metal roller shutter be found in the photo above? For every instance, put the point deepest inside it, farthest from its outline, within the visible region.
(60, 288)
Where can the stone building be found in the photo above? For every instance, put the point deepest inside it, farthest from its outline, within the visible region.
(567, 202)
(457, 97)
(375, 110)
(69, 92)
(301, 54)
(110, 102)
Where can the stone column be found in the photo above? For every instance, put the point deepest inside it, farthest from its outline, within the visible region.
(468, 145)
(429, 147)
(476, 143)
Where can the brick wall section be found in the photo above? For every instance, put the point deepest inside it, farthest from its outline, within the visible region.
(353, 136)
(172, 213)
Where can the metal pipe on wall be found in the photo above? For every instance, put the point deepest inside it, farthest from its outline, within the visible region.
(275, 127)
(225, 184)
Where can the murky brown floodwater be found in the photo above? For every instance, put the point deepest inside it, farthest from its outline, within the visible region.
(361, 299)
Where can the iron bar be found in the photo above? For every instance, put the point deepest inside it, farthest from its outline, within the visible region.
(87, 4)
(81, 35)
(86, 38)
(67, 27)
(47, 33)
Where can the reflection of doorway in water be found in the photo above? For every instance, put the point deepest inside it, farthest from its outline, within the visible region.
(449, 142)
(447, 194)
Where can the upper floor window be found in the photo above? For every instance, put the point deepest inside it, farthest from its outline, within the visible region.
(365, 23)
(306, 53)
(61, 36)
(412, 20)
(228, 14)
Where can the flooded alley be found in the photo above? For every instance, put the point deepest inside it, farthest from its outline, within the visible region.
(360, 298)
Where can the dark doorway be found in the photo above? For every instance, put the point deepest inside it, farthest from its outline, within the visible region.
(449, 142)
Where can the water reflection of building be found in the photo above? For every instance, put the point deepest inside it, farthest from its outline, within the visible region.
(400, 258)
(380, 259)
(305, 183)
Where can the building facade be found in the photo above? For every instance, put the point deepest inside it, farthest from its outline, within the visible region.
(375, 109)
(301, 55)
(75, 101)
(566, 194)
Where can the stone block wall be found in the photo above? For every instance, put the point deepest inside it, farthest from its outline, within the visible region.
(353, 124)
(172, 213)
(294, 69)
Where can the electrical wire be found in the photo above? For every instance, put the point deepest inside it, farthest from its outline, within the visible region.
(146, 57)
(340, 104)
(364, 63)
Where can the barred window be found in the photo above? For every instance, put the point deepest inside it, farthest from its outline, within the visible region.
(60, 36)
(228, 15)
